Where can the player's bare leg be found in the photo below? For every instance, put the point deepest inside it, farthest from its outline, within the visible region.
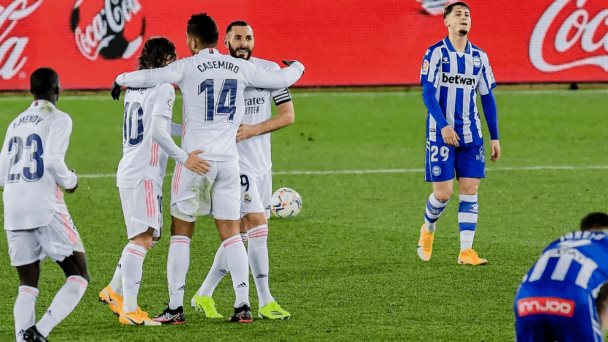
(75, 269)
(467, 221)
(236, 260)
(436, 203)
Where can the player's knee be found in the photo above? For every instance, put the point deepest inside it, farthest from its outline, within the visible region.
(443, 195)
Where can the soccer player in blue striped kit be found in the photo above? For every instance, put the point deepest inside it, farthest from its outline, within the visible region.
(453, 72)
(564, 296)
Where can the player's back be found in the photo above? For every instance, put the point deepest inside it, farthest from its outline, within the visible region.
(142, 156)
(578, 261)
(255, 152)
(35, 143)
(213, 88)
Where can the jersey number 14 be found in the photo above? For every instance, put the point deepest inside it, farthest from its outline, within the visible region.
(227, 94)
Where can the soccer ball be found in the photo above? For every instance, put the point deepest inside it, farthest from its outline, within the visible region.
(286, 202)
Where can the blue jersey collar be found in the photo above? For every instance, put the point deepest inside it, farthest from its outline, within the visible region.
(447, 43)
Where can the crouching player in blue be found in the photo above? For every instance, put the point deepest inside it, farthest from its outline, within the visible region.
(565, 293)
(453, 72)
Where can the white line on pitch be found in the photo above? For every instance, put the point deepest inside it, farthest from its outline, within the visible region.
(412, 170)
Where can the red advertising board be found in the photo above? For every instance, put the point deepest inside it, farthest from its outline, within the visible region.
(341, 42)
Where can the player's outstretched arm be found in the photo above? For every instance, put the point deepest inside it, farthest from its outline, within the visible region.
(286, 116)
(283, 78)
(172, 73)
(56, 148)
(488, 102)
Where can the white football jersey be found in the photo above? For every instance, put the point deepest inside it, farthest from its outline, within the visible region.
(142, 157)
(32, 166)
(255, 152)
(213, 87)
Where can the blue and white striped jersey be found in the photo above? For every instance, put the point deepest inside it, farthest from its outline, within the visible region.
(576, 260)
(457, 76)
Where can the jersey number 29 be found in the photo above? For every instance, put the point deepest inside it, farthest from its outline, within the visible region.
(227, 94)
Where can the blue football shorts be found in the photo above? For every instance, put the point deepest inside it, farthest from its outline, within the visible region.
(443, 162)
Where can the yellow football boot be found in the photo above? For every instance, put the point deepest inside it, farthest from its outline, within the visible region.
(425, 244)
(137, 317)
(111, 299)
(470, 257)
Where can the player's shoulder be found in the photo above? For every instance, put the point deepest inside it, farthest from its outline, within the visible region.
(165, 90)
(482, 52)
(264, 63)
(435, 47)
(60, 116)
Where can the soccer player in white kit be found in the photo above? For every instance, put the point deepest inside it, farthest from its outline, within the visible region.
(146, 144)
(213, 88)
(36, 219)
(256, 178)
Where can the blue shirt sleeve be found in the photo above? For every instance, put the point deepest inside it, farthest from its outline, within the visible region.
(432, 105)
(490, 112)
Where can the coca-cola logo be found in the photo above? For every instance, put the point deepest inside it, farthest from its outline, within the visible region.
(578, 37)
(104, 34)
(12, 59)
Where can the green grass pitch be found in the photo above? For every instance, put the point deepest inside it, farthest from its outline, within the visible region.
(346, 268)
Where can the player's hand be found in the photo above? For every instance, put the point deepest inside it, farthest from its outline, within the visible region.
(495, 150)
(196, 164)
(289, 62)
(449, 136)
(245, 132)
(115, 91)
(71, 191)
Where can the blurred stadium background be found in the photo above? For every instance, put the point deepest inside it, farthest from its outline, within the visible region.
(346, 267)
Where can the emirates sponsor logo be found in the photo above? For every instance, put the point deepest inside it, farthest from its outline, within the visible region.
(569, 35)
(104, 34)
(545, 306)
(12, 48)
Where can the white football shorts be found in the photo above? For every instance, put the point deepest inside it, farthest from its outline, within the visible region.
(57, 240)
(217, 193)
(256, 193)
(142, 207)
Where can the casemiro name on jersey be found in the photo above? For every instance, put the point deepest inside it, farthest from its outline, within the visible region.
(218, 65)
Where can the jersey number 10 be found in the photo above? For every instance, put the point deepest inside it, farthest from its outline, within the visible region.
(227, 92)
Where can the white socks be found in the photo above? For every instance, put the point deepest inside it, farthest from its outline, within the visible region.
(116, 282)
(236, 258)
(64, 302)
(178, 262)
(258, 261)
(132, 262)
(25, 309)
(218, 270)
(433, 211)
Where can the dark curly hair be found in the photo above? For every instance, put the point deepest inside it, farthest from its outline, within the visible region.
(157, 51)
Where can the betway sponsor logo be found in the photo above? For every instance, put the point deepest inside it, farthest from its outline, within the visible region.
(545, 306)
(459, 80)
(11, 48)
(578, 29)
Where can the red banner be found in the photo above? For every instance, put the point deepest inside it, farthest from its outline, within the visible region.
(341, 42)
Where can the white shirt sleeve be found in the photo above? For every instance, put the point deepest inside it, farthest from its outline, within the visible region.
(172, 73)
(161, 123)
(4, 162)
(56, 148)
(260, 78)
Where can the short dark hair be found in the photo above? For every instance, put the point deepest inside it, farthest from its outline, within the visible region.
(203, 27)
(43, 81)
(594, 221)
(155, 53)
(448, 9)
(236, 23)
